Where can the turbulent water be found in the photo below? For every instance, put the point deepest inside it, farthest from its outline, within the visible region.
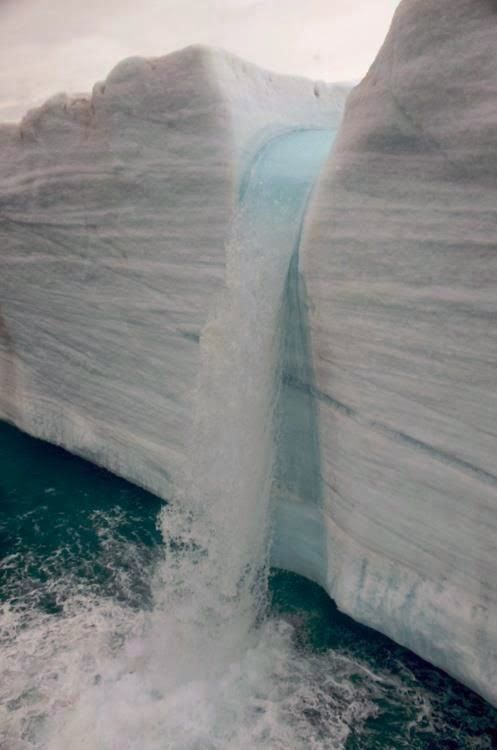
(90, 654)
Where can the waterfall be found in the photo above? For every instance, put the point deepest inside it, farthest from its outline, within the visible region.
(217, 531)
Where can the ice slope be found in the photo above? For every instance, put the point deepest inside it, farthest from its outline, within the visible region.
(400, 264)
(117, 215)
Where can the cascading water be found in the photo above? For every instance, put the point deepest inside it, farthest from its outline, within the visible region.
(227, 505)
(217, 531)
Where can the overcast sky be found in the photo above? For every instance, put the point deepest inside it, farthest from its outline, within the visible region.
(48, 46)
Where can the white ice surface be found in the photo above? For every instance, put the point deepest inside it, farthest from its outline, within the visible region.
(400, 267)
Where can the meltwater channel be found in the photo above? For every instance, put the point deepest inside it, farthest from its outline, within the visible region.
(127, 623)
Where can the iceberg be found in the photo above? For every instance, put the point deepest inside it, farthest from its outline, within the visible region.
(399, 260)
(186, 300)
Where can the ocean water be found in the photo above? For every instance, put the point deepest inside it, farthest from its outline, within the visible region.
(91, 649)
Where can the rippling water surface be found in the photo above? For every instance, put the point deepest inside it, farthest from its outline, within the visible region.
(92, 653)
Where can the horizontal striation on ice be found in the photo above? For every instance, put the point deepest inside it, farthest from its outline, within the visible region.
(400, 264)
(116, 213)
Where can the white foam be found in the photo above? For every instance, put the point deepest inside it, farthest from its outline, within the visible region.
(106, 677)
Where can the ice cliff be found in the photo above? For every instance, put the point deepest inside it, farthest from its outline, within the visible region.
(400, 267)
(117, 222)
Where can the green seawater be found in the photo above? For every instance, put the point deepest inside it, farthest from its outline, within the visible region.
(68, 528)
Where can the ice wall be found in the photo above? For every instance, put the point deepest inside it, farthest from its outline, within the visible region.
(400, 264)
(117, 215)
